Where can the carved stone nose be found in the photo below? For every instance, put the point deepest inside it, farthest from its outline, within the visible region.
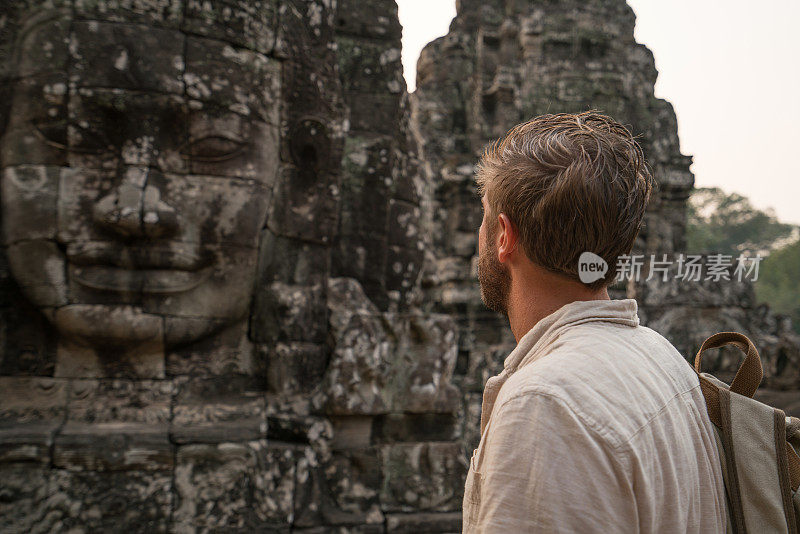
(135, 209)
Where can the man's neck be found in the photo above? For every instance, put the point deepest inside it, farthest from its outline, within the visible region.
(536, 293)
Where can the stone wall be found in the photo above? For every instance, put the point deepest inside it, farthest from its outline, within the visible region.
(210, 274)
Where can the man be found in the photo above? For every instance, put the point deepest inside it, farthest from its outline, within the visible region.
(595, 424)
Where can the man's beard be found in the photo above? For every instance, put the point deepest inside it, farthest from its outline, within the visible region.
(494, 280)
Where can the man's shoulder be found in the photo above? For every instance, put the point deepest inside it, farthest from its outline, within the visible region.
(613, 379)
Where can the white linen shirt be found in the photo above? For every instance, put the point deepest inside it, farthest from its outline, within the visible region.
(595, 424)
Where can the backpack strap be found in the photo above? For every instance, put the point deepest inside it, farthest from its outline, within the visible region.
(750, 373)
(793, 458)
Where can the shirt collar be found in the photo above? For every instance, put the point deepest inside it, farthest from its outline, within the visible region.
(620, 311)
(533, 343)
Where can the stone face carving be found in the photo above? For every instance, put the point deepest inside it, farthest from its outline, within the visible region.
(136, 179)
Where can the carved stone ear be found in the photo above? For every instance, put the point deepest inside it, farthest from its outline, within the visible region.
(310, 144)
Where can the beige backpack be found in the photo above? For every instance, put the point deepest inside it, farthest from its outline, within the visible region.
(758, 446)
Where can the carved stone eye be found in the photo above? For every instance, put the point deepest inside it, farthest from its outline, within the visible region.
(54, 134)
(213, 148)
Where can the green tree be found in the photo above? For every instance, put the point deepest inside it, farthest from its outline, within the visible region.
(727, 223)
(778, 283)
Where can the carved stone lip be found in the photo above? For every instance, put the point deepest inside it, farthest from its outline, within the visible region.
(152, 281)
(172, 257)
(147, 268)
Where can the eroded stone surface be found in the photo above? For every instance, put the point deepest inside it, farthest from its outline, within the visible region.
(136, 501)
(386, 362)
(342, 489)
(220, 222)
(238, 486)
(423, 477)
(226, 408)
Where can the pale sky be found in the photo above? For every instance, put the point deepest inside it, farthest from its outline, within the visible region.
(730, 69)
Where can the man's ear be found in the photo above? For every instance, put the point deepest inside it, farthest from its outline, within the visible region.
(507, 238)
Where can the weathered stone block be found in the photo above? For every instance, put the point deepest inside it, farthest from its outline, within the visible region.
(27, 343)
(242, 23)
(407, 184)
(352, 431)
(688, 328)
(134, 447)
(727, 290)
(403, 266)
(294, 367)
(108, 127)
(305, 205)
(291, 304)
(484, 361)
(36, 132)
(376, 19)
(422, 365)
(141, 58)
(315, 17)
(422, 477)
(27, 442)
(220, 409)
(144, 358)
(152, 12)
(370, 67)
(378, 113)
(363, 257)
(222, 142)
(110, 501)
(318, 432)
(366, 186)
(241, 81)
(386, 362)
(470, 417)
(341, 490)
(415, 427)
(38, 267)
(293, 313)
(25, 499)
(245, 486)
(75, 189)
(404, 224)
(131, 401)
(291, 261)
(40, 500)
(190, 340)
(32, 399)
(424, 523)
(361, 358)
(45, 45)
